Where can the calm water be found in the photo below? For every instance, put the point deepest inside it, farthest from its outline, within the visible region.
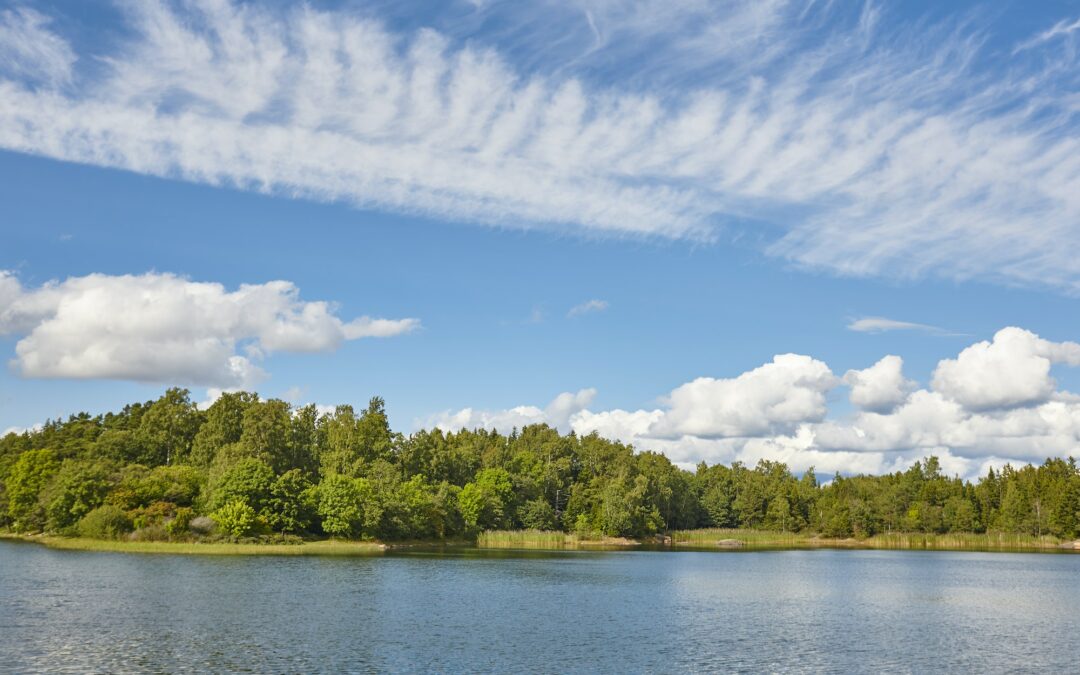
(834, 611)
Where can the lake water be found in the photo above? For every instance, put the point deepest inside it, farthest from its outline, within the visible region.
(469, 611)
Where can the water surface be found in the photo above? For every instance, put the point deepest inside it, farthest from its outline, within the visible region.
(468, 611)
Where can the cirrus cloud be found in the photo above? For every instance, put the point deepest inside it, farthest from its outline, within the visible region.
(872, 147)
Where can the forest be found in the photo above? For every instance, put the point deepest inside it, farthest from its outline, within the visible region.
(260, 470)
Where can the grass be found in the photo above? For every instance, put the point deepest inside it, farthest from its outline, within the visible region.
(544, 539)
(329, 547)
(991, 541)
(714, 538)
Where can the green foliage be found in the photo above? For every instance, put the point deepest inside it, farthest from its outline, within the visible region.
(180, 522)
(162, 463)
(249, 480)
(266, 432)
(486, 502)
(235, 518)
(140, 486)
(78, 487)
(167, 429)
(537, 514)
(339, 506)
(31, 472)
(104, 522)
(222, 425)
(291, 506)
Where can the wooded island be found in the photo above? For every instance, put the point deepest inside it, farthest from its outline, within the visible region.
(247, 469)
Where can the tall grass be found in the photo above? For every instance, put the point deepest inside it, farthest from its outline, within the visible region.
(991, 541)
(328, 547)
(763, 538)
(547, 539)
(526, 539)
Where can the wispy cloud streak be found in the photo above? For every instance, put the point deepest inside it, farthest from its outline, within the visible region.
(872, 148)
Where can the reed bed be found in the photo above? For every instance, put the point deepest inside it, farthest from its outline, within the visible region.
(329, 547)
(763, 538)
(547, 539)
(526, 539)
(990, 541)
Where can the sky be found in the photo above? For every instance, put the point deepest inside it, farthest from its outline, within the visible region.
(834, 234)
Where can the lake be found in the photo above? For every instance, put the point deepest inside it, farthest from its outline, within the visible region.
(465, 610)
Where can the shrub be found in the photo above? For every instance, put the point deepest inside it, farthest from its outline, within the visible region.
(236, 518)
(104, 522)
(154, 514)
(180, 522)
(149, 533)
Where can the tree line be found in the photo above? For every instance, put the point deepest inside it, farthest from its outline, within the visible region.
(247, 467)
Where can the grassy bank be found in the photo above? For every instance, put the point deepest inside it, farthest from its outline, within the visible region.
(728, 539)
(991, 541)
(542, 539)
(328, 547)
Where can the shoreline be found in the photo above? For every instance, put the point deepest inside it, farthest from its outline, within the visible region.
(325, 547)
(719, 541)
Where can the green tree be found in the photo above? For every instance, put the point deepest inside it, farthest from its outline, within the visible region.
(222, 425)
(249, 480)
(487, 502)
(291, 506)
(235, 518)
(31, 472)
(339, 507)
(167, 429)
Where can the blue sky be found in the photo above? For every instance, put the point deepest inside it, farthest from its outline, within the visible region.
(710, 184)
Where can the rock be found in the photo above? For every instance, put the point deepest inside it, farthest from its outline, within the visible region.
(729, 543)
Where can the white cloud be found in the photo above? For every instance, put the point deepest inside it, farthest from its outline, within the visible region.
(163, 328)
(588, 307)
(28, 49)
(770, 399)
(21, 430)
(878, 324)
(881, 387)
(557, 413)
(1013, 369)
(1059, 29)
(874, 147)
(778, 412)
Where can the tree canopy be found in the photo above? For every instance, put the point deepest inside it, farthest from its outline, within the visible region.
(262, 466)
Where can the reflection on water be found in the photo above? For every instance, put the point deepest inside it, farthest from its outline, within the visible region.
(467, 610)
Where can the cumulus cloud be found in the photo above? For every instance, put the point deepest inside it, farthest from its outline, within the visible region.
(779, 412)
(881, 387)
(1012, 369)
(164, 328)
(21, 430)
(873, 147)
(772, 398)
(588, 307)
(557, 414)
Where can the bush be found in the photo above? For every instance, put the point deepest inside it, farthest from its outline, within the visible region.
(104, 522)
(149, 533)
(154, 514)
(236, 518)
(180, 522)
